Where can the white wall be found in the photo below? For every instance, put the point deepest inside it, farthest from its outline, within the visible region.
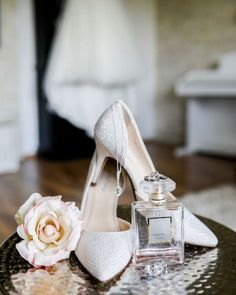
(18, 103)
(143, 16)
(8, 61)
(9, 152)
(27, 96)
(192, 34)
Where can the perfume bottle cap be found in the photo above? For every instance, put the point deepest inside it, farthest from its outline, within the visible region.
(157, 183)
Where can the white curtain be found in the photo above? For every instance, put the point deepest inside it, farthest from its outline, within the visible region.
(97, 57)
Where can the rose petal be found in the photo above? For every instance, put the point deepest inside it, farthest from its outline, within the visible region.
(74, 237)
(32, 200)
(65, 229)
(31, 246)
(72, 208)
(51, 205)
(40, 245)
(76, 224)
(41, 259)
(29, 215)
(51, 249)
(30, 226)
(58, 198)
(24, 251)
(21, 232)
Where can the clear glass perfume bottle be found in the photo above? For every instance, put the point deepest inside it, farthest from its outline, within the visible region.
(158, 223)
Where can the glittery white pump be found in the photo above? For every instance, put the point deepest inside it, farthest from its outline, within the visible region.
(138, 164)
(105, 246)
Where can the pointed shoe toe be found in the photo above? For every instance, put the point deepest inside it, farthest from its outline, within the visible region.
(196, 232)
(104, 254)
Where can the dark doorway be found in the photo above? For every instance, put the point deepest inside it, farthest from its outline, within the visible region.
(58, 139)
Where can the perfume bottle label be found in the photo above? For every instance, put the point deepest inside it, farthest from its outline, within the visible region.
(159, 229)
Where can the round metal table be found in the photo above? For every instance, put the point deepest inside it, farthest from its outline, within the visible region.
(205, 271)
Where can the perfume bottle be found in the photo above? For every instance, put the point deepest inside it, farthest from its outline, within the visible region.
(158, 223)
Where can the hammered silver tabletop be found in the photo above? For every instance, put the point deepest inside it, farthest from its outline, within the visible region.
(205, 271)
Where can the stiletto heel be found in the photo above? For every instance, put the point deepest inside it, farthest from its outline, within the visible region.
(101, 157)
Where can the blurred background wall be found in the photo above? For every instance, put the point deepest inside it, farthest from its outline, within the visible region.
(185, 35)
(191, 34)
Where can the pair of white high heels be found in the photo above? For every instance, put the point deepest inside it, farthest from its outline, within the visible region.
(105, 246)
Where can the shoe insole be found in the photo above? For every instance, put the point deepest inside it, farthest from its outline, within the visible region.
(100, 211)
(137, 164)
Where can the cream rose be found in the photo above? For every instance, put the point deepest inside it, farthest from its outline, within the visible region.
(50, 229)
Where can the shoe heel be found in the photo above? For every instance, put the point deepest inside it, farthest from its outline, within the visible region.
(100, 161)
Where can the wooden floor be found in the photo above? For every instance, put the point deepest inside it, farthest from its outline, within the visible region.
(192, 173)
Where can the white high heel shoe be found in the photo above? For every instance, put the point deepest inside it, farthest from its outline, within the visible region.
(126, 143)
(105, 246)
